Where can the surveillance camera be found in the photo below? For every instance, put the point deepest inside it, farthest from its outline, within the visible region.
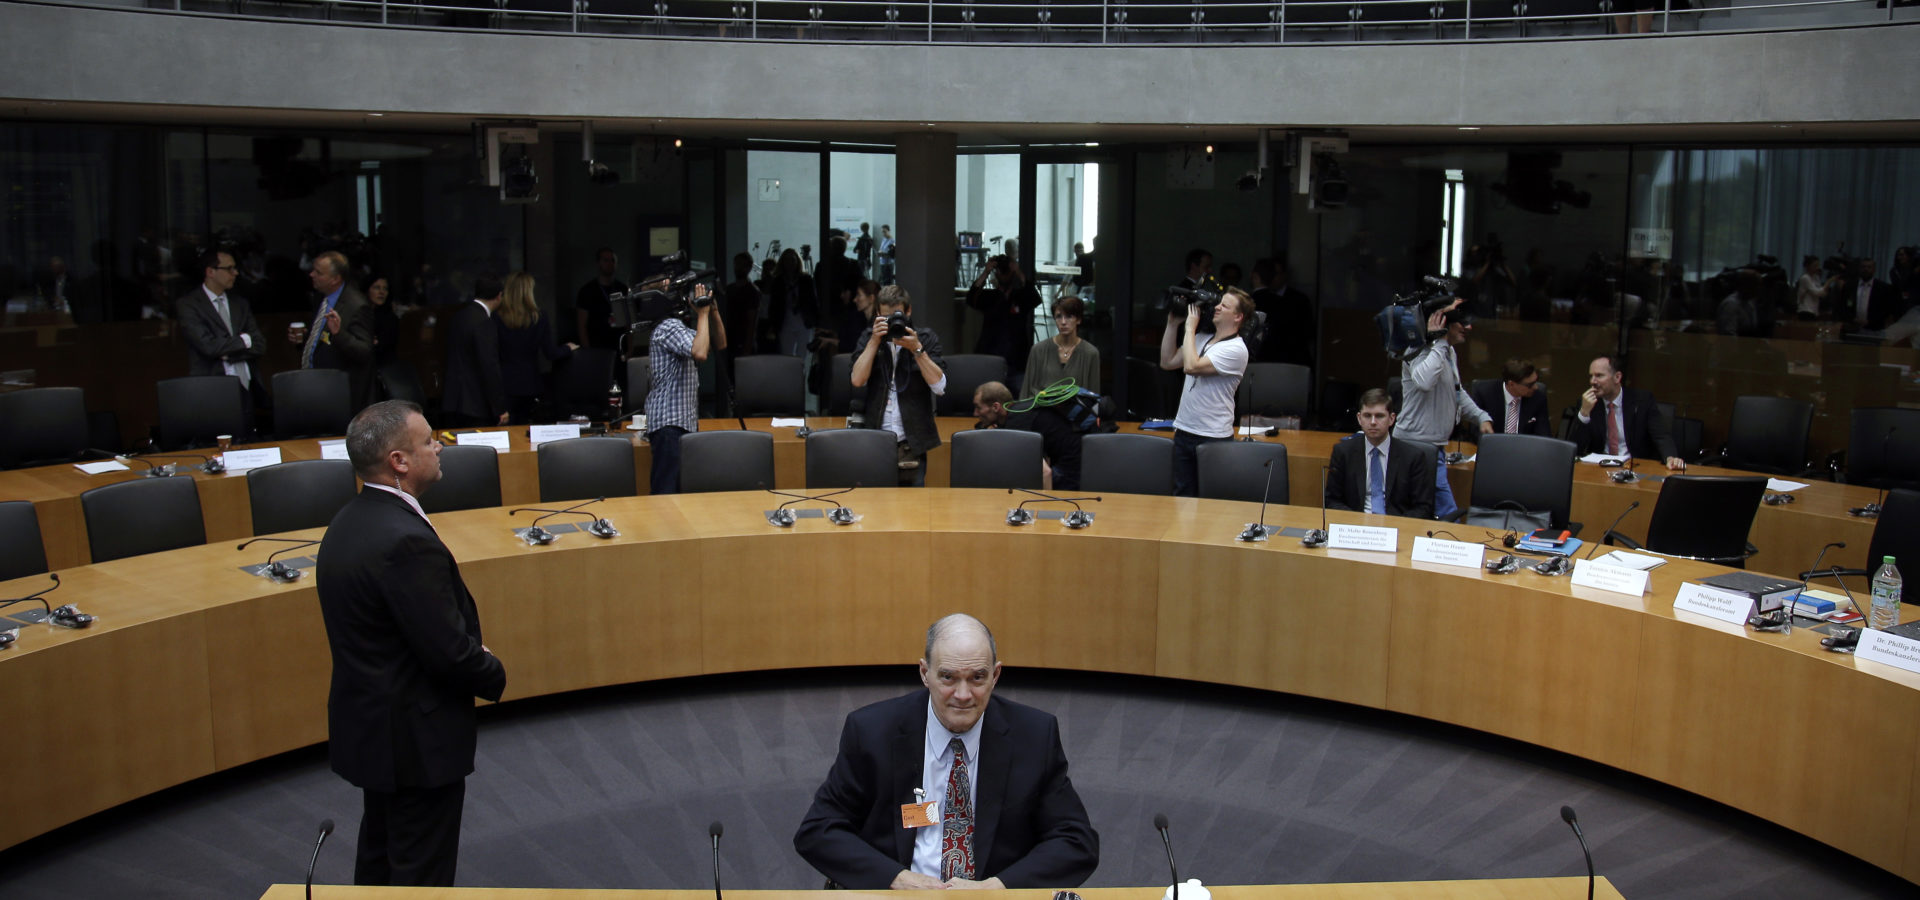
(1249, 181)
(601, 173)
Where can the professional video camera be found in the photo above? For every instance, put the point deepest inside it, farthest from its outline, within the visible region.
(1403, 323)
(664, 296)
(1177, 298)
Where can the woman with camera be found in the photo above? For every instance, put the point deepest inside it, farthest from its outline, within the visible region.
(1067, 355)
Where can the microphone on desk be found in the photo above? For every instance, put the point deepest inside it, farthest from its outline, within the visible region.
(1872, 510)
(326, 828)
(153, 471)
(1573, 821)
(598, 527)
(1257, 531)
(1781, 620)
(713, 831)
(279, 571)
(1616, 524)
(212, 465)
(1079, 518)
(40, 595)
(1160, 825)
(783, 517)
(1318, 536)
(857, 412)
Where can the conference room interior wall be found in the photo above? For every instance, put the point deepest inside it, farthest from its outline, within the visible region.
(588, 216)
(1183, 199)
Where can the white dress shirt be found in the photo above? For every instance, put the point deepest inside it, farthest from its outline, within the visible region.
(936, 767)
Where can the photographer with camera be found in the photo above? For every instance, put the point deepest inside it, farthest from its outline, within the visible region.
(1006, 311)
(1213, 364)
(1433, 401)
(679, 344)
(901, 380)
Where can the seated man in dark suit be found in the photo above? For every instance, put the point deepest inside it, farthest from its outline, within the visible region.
(1628, 422)
(884, 817)
(1381, 474)
(1517, 403)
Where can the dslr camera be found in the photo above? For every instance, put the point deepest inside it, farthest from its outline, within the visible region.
(897, 324)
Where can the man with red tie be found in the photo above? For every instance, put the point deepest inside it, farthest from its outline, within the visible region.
(941, 789)
(1620, 421)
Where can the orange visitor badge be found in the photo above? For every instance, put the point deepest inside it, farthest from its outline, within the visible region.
(916, 815)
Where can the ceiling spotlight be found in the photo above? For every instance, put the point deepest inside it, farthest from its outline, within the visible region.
(676, 143)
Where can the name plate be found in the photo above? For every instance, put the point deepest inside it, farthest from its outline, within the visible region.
(540, 434)
(1448, 553)
(1363, 537)
(1889, 649)
(333, 450)
(500, 441)
(1725, 606)
(242, 460)
(1618, 579)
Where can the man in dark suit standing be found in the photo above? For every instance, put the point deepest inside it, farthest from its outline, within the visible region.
(1290, 316)
(341, 336)
(944, 789)
(900, 375)
(1379, 473)
(407, 656)
(476, 393)
(222, 336)
(1867, 302)
(1517, 403)
(1627, 420)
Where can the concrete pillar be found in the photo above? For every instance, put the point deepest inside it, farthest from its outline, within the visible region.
(923, 226)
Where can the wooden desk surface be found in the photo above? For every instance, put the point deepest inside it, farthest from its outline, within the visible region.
(1491, 889)
(195, 666)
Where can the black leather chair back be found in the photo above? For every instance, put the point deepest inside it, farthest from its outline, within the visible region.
(1897, 533)
(146, 515)
(844, 457)
(1705, 517)
(1526, 469)
(1126, 464)
(469, 479)
(965, 373)
(196, 410)
(639, 382)
(726, 461)
(1883, 447)
(41, 426)
(1276, 389)
(997, 458)
(587, 467)
(399, 380)
(311, 403)
(301, 494)
(22, 552)
(582, 381)
(1237, 470)
(769, 384)
(1769, 434)
(840, 385)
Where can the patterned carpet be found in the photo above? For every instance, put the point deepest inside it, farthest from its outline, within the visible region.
(614, 789)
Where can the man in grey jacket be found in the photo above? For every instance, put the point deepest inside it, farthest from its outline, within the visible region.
(1433, 400)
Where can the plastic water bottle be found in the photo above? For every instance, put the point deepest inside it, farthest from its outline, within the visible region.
(1886, 595)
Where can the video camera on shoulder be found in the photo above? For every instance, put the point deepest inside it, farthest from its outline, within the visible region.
(669, 295)
(1403, 323)
(1176, 299)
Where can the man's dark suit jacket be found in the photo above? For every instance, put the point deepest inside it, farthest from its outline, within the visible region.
(475, 387)
(1290, 330)
(1410, 477)
(405, 637)
(916, 401)
(1030, 829)
(1883, 303)
(209, 340)
(1535, 415)
(351, 350)
(1647, 433)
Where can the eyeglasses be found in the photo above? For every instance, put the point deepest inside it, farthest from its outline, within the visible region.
(225, 268)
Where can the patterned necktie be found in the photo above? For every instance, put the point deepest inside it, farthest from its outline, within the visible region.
(1513, 415)
(313, 337)
(956, 821)
(1615, 446)
(1377, 494)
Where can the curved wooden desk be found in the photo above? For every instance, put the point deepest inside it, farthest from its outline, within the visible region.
(195, 667)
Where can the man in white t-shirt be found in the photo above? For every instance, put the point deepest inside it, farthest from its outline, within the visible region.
(1213, 364)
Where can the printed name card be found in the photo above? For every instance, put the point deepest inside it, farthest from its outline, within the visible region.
(1726, 606)
(333, 450)
(1363, 537)
(1618, 579)
(540, 434)
(1448, 553)
(1889, 649)
(500, 441)
(242, 460)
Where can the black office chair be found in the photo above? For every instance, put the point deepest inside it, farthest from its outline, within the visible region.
(726, 461)
(845, 457)
(196, 410)
(22, 552)
(768, 384)
(1522, 473)
(1126, 464)
(399, 380)
(581, 383)
(1238, 470)
(639, 382)
(965, 373)
(1276, 389)
(840, 385)
(300, 494)
(997, 458)
(1688, 433)
(1896, 533)
(1704, 517)
(1883, 447)
(311, 403)
(587, 467)
(42, 426)
(146, 515)
(1768, 434)
(469, 479)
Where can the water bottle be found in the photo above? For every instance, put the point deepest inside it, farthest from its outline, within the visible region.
(1886, 595)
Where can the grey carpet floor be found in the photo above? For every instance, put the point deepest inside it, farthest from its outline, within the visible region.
(614, 788)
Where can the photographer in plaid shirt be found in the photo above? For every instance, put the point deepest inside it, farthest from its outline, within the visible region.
(673, 402)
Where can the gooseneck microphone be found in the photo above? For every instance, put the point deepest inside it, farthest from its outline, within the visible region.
(1258, 530)
(39, 595)
(152, 471)
(783, 517)
(1872, 510)
(326, 828)
(597, 526)
(1781, 619)
(1573, 821)
(1616, 524)
(1076, 519)
(1160, 825)
(212, 465)
(1318, 536)
(279, 571)
(713, 832)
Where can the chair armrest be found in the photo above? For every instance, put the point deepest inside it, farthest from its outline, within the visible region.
(1613, 537)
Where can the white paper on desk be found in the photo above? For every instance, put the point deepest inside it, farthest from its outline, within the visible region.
(242, 460)
(334, 449)
(789, 423)
(500, 441)
(1250, 430)
(1889, 649)
(540, 434)
(1626, 560)
(1363, 537)
(1781, 484)
(1596, 574)
(1597, 458)
(105, 465)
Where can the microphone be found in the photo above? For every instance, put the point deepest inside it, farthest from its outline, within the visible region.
(1079, 518)
(279, 571)
(1616, 524)
(212, 465)
(1318, 536)
(784, 518)
(153, 471)
(1872, 510)
(1566, 815)
(1258, 531)
(713, 831)
(1248, 418)
(326, 828)
(39, 595)
(598, 527)
(68, 616)
(1781, 620)
(1160, 825)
